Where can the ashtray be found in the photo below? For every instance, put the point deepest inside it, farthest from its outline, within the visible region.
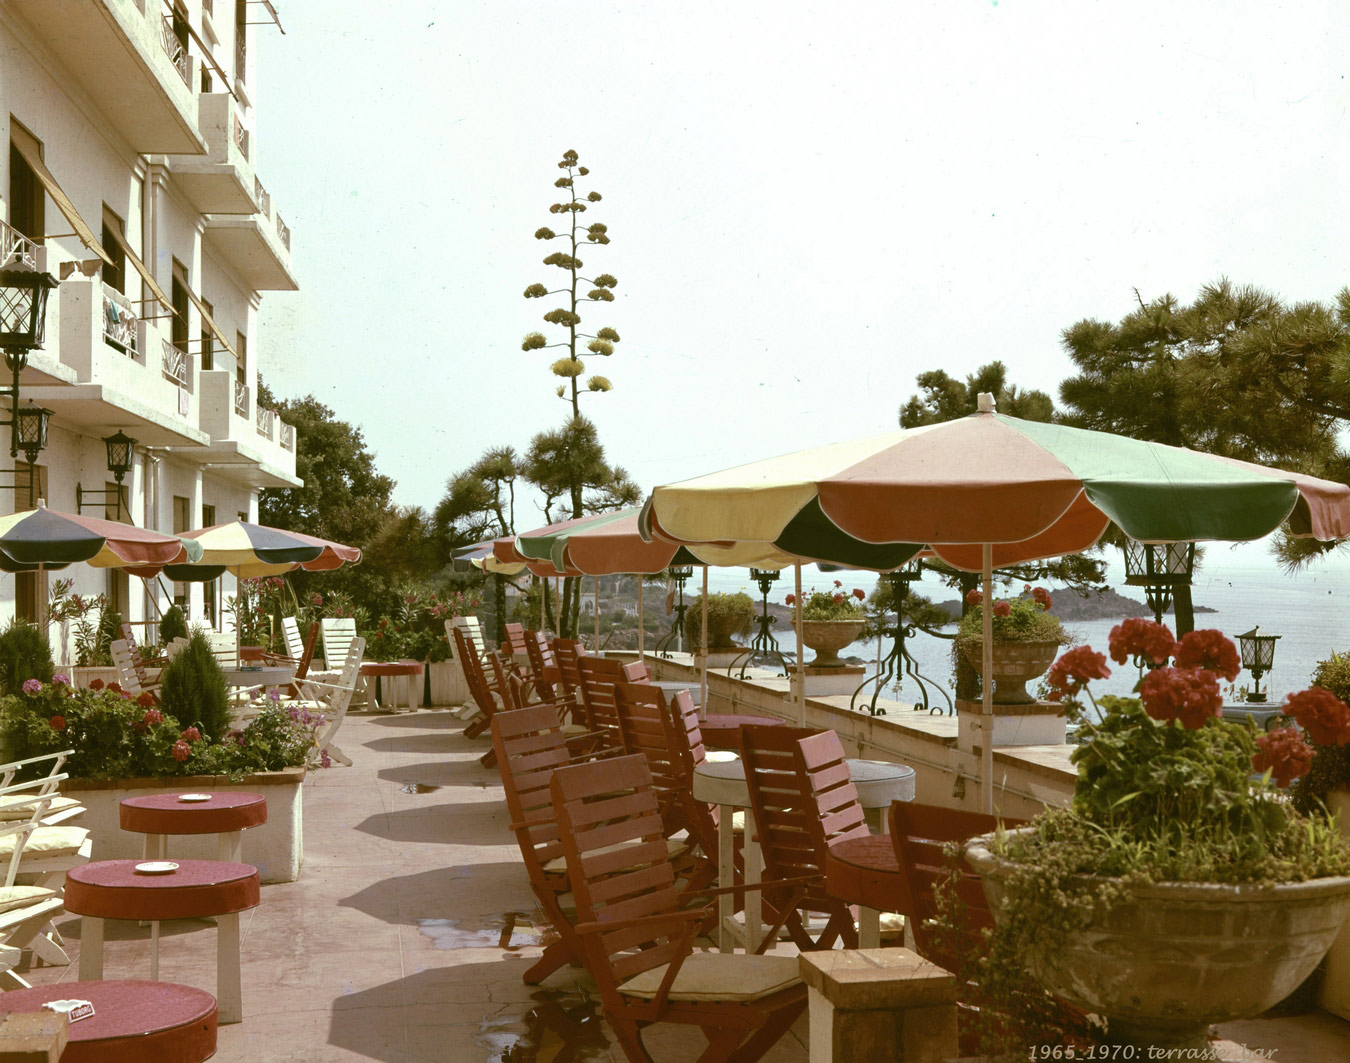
(156, 867)
(74, 1010)
(194, 797)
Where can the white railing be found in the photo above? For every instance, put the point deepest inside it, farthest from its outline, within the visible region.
(266, 418)
(264, 200)
(174, 364)
(241, 399)
(284, 231)
(119, 323)
(16, 249)
(287, 436)
(240, 134)
(174, 49)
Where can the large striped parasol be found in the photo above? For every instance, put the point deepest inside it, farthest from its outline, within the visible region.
(250, 550)
(48, 539)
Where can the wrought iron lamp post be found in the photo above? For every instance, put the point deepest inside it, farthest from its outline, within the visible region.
(680, 574)
(23, 318)
(763, 644)
(121, 456)
(1258, 655)
(899, 659)
(1159, 568)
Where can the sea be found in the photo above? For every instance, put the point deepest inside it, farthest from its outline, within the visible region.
(1243, 584)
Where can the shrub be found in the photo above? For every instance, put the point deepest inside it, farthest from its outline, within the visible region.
(172, 626)
(193, 688)
(24, 655)
(728, 614)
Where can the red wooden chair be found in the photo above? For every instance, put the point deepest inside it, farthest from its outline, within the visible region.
(638, 938)
(569, 653)
(599, 675)
(479, 690)
(515, 639)
(803, 800)
(543, 665)
(302, 662)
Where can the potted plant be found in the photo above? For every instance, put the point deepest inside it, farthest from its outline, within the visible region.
(1174, 892)
(830, 621)
(1026, 638)
(415, 630)
(1326, 785)
(728, 615)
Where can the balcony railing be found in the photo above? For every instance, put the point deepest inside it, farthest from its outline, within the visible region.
(284, 231)
(209, 7)
(240, 135)
(16, 249)
(241, 399)
(240, 56)
(119, 323)
(174, 49)
(174, 364)
(287, 436)
(266, 419)
(264, 200)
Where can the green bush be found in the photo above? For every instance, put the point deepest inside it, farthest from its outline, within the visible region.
(728, 614)
(172, 626)
(24, 654)
(193, 688)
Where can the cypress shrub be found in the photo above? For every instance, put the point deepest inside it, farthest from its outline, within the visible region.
(24, 655)
(172, 626)
(193, 689)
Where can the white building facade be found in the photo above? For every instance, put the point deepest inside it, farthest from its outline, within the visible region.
(129, 178)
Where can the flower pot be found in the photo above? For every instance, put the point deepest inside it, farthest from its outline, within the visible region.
(1334, 994)
(827, 638)
(1172, 958)
(1015, 663)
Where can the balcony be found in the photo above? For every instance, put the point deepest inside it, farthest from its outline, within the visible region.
(222, 180)
(258, 246)
(122, 53)
(19, 252)
(248, 444)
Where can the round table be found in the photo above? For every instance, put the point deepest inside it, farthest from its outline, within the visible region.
(114, 889)
(721, 730)
(224, 814)
(392, 670)
(263, 677)
(133, 1021)
(722, 782)
(865, 872)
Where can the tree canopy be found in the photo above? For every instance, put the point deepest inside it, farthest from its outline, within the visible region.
(945, 399)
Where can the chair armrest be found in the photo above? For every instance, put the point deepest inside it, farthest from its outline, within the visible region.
(770, 884)
(684, 915)
(317, 683)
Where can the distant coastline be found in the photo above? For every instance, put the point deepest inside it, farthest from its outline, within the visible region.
(1068, 605)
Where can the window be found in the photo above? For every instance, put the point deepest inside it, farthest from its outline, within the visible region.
(119, 591)
(115, 276)
(209, 588)
(208, 347)
(179, 298)
(27, 198)
(240, 37)
(241, 363)
(27, 585)
(182, 521)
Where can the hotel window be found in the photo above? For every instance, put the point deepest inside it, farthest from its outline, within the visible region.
(115, 276)
(182, 521)
(208, 341)
(27, 586)
(241, 363)
(209, 587)
(27, 198)
(178, 334)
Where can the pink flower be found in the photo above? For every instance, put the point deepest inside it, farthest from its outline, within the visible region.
(60, 680)
(1284, 754)
(1190, 695)
(1209, 649)
(32, 686)
(1002, 607)
(181, 751)
(152, 717)
(1322, 714)
(974, 598)
(1074, 668)
(1137, 636)
(58, 723)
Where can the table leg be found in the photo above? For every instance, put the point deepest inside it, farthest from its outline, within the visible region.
(229, 995)
(230, 846)
(156, 846)
(726, 874)
(91, 948)
(154, 950)
(869, 928)
(754, 899)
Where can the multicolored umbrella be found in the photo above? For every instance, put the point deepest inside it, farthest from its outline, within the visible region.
(249, 550)
(47, 539)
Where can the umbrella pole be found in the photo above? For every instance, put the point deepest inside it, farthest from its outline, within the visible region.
(595, 602)
(703, 643)
(987, 683)
(642, 654)
(799, 675)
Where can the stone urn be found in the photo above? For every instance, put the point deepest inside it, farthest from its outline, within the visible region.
(1174, 958)
(1015, 663)
(827, 638)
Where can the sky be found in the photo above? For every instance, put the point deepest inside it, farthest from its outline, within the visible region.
(808, 204)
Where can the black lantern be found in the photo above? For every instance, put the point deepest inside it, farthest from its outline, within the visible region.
(23, 311)
(30, 430)
(1258, 655)
(681, 575)
(121, 456)
(1158, 568)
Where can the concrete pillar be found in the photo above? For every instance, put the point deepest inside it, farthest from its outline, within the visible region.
(879, 1004)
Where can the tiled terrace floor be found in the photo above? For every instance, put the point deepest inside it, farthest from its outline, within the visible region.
(405, 938)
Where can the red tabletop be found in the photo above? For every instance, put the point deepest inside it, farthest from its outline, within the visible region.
(391, 667)
(865, 871)
(721, 730)
(133, 1021)
(166, 814)
(114, 889)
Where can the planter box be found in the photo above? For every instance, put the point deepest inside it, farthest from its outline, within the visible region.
(445, 684)
(1037, 723)
(276, 848)
(1334, 995)
(82, 675)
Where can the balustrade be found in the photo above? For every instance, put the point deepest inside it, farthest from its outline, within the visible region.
(174, 364)
(119, 322)
(240, 135)
(266, 419)
(174, 49)
(16, 249)
(284, 231)
(287, 436)
(241, 399)
(264, 200)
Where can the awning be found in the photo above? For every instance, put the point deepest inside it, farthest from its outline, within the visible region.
(28, 149)
(210, 322)
(141, 268)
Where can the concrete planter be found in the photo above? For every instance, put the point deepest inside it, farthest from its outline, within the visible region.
(1015, 664)
(82, 675)
(443, 684)
(1175, 957)
(1334, 994)
(276, 848)
(827, 638)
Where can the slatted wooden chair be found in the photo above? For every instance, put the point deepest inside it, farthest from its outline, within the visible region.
(599, 675)
(568, 653)
(27, 911)
(514, 642)
(638, 936)
(301, 657)
(473, 631)
(131, 673)
(337, 635)
(333, 700)
(480, 691)
(543, 665)
(803, 799)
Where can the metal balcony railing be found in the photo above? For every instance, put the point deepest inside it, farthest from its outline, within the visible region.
(241, 399)
(240, 135)
(266, 419)
(240, 57)
(174, 364)
(264, 200)
(174, 49)
(287, 436)
(16, 249)
(119, 323)
(284, 231)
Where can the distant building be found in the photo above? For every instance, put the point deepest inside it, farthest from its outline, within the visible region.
(129, 177)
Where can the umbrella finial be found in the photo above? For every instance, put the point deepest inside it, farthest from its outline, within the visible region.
(985, 402)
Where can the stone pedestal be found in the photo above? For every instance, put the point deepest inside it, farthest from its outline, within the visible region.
(1334, 993)
(879, 1004)
(1036, 723)
(843, 679)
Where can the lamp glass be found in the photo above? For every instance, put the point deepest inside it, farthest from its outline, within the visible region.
(31, 422)
(680, 571)
(1158, 563)
(1258, 651)
(23, 307)
(121, 448)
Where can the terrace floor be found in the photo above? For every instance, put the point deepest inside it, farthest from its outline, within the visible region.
(405, 938)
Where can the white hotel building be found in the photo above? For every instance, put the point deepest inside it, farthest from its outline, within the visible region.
(130, 178)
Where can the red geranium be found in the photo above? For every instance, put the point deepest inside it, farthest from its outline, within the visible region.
(1074, 668)
(1209, 649)
(975, 598)
(58, 723)
(1190, 695)
(1284, 754)
(1322, 714)
(838, 599)
(1002, 607)
(1041, 597)
(191, 734)
(181, 751)
(1137, 636)
(860, 594)
(146, 700)
(152, 717)
(116, 688)
(96, 684)
(791, 599)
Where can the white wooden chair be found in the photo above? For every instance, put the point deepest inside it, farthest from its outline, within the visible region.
(333, 699)
(295, 641)
(224, 647)
(130, 674)
(472, 631)
(61, 809)
(337, 633)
